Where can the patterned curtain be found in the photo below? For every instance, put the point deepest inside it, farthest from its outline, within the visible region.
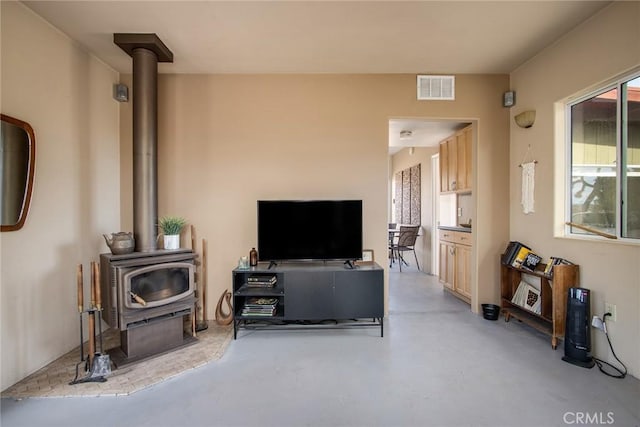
(407, 196)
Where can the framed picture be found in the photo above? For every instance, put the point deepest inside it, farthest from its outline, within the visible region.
(367, 257)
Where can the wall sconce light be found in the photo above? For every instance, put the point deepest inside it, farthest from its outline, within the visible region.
(412, 150)
(526, 119)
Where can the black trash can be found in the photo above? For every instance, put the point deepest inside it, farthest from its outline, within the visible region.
(490, 311)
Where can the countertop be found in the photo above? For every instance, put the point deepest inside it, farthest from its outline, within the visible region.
(455, 228)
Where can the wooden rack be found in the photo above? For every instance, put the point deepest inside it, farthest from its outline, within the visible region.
(553, 292)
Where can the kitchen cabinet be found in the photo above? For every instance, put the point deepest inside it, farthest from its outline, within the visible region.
(447, 264)
(444, 166)
(455, 263)
(463, 270)
(456, 162)
(463, 163)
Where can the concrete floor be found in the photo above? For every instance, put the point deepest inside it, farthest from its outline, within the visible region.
(438, 365)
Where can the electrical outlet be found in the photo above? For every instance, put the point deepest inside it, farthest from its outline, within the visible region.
(610, 308)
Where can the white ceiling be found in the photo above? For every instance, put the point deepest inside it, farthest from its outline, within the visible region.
(424, 133)
(415, 37)
(324, 36)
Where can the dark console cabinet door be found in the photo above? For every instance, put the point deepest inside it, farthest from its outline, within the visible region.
(309, 295)
(359, 294)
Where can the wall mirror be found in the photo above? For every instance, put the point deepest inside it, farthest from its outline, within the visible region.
(17, 163)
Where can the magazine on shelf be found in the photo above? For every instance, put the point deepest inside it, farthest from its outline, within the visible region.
(532, 299)
(520, 257)
(511, 251)
(262, 280)
(260, 306)
(527, 296)
(531, 261)
(265, 278)
(518, 296)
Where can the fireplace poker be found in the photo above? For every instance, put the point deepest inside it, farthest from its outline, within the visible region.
(91, 314)
(79, 281)
(202, 325)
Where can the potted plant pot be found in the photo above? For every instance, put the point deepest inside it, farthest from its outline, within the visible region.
(171, 241)
(171, 226)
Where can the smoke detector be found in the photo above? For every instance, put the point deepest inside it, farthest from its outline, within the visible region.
(406, 134)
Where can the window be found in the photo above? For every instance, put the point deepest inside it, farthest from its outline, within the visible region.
(605, 161)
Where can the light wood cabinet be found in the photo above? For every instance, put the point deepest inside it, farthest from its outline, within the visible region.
(456, 162)
(455, 263)
(447, 264)
(463, 270)
(463, 152)
(452, 176)
(444, 167)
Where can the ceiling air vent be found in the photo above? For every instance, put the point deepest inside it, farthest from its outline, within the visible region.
(436, 87)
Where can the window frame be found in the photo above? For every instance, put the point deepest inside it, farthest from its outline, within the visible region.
(621, 145)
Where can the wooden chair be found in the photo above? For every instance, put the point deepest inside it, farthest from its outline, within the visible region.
(406, 242)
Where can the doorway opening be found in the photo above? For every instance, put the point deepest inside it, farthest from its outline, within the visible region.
(414, 142)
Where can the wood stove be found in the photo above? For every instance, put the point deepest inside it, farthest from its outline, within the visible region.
(146, 295)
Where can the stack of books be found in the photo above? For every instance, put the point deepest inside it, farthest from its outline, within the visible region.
(260, 306)
(548, 270)
(514, 249)
(262, 280)
(520, 256)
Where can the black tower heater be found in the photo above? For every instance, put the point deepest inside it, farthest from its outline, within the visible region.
(577, 334)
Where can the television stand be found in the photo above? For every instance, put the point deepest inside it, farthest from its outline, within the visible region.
(308, 295)
(349, 264)
(272, 264)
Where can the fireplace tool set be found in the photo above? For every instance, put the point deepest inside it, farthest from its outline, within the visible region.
(201, 279)
(96, 365)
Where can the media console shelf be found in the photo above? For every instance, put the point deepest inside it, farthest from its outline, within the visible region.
(553, 294)
(308, 295)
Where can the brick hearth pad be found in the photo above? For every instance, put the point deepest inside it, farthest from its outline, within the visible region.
(53, 380)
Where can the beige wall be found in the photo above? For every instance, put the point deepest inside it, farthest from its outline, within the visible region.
(65, 94)
(226, 141)
(403, 160)
(596, 51)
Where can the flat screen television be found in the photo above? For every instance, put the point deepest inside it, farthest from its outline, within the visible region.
(308, 230)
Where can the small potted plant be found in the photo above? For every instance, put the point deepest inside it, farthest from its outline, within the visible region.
(171, 227)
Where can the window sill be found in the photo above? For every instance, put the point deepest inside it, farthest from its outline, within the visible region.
(598, 239)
